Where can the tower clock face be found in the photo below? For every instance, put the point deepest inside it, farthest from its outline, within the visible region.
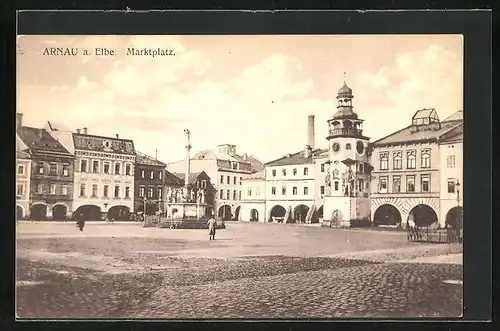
(360, 147)
(335, 147)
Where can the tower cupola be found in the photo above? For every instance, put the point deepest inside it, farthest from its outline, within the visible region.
(344, 103)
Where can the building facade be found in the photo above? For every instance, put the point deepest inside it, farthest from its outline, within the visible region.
(52, 168)
(149, 184)
(226, 169)
(23, 174)
(253, 199)
(103, 176)
(451, 178)
(406, 179)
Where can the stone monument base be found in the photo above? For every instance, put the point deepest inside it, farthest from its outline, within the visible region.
(185, 209)
(345, 211)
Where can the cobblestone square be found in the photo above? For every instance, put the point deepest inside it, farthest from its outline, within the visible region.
(249, 271)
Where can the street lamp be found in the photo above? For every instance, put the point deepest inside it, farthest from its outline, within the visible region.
(145, 208)
(459, 216)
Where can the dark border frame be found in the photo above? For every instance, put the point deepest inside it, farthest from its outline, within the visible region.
(474, 25)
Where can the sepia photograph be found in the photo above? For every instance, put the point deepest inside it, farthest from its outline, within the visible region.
(239, 176)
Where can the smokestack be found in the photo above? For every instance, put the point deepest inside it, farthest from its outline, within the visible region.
(78, 131)
(19, 120)
(310, 131)
(84, 130)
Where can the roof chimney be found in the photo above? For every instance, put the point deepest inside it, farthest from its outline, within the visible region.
(310, 131)
(245, 156)
(78, 131)
(19, 120)
(84, 130)
(117, 135)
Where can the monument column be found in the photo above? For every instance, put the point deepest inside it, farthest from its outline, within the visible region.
(188, 161)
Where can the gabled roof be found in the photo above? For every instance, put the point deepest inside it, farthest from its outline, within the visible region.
(458, 116)
(97, 143)
(255, 164)
(297, 158)
(171, 179)
(212, 155)
(193, 176)
(40, 141)
(420, 133)
(148, 160)
(425, 113)
(22, 155)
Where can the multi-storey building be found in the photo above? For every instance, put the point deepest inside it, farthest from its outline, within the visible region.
(226, 169)
(51, 175)
(23, 173)
(291, 186)
(200, 181)
(149, 184)
(253, 197)
(104, 174)
(406, 180)
(451, 175)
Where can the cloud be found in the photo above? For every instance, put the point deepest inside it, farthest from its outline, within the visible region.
(84, 83)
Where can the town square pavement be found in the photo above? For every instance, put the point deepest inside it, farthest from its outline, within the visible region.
(250, 271)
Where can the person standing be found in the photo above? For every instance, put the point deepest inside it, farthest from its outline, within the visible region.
(80, 223)
(211, 228)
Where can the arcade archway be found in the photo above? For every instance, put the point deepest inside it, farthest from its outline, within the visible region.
(423, 215)
(254, 215)
(300, 213)
(38, 212)
(224, 213)
(454, 217)
(19, 212)
(59, 212)
(387, 215)
(318, 214)
(88, 213)
(237, 213)
(277, 213)
(119, 213)
(336, 218)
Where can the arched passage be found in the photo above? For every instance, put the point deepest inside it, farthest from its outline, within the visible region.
(19, 212)
(336, 218)
(318, 214)
(254, 215)
(224, 212)
(59, 212)
(277, 213)
(38, 212)
(88, 213)
(423, 215)
(454, 217)
(237, 213)
(119, 213)
(300, 213)
(386, 215)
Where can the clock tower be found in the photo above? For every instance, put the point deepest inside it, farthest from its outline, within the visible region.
(347, 197)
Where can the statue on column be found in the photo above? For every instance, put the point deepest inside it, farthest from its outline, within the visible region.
(202, 196)
(192, 196)
(199, 195)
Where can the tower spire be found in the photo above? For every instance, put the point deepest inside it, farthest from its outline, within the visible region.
(345, 77)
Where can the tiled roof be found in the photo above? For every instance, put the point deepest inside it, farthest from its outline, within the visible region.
(457, 134)
(255, 164)
(148, 160)
(22, 155)
(193, 176)
(212, 155)
(422, 133)
(97, 143)
(171, 179)
(40, 141)
(458, 116)
(258, 175)
(297, 158)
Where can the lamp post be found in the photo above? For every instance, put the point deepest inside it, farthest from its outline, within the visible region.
(459, 216)
(145, 209)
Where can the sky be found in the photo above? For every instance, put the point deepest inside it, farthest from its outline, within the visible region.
(255, 92)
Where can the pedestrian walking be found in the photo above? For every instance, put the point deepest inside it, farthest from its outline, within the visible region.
(80, 223)
(211, 228)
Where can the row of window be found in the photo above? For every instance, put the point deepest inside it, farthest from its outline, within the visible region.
(228, 180)
(152, 174)
(411, 159)
(250, 191)
(54, 169)
(294, 171)
(151, 192)
(227, 196)
(40, 189)
(105, 191)
(106, 168)
(294, 190)
(425, 184)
